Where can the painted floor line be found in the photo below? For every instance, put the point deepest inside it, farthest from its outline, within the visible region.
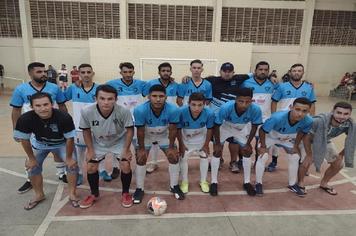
(346, 176)
(10, 172)
(206, 215)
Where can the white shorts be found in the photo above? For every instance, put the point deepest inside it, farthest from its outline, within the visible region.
(270, 142)
(195, 149)
(239, 135)
(100, 152)
(331, 152)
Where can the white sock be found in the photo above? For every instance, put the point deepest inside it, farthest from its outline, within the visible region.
(173, 174)
(102, 165)
(80, 153)
(260, 167)
(28, 180)
(61, 168)
(140, 174)
(293, 165)
(215, 163)
(154, 153)
(115, 162)
(204, 166)
(275, 151)
(183, 164)
(246, 163)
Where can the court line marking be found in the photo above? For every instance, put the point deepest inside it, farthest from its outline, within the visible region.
(10, 172)
(346, 176)
(205, 215)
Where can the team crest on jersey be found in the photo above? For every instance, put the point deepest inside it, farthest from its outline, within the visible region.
(54, 128)
(233, 83)
(135, 90)
(304, 93)
(116, 121)
(202, 124)
(245, 119)
(267, 88)
(95, 123)
(186, 124)
(119, 89)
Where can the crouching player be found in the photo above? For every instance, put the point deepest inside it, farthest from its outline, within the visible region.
(237, 120)
(285, 129)
(195, 131)
(107, 128)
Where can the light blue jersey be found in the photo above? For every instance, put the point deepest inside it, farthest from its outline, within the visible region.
(186, 89)
(286, 93)
(279, 128)
(156, 127)
(171, 89)
(80, 99)
(262, 94)
(23, 92)
(194, 131)
(129, 96)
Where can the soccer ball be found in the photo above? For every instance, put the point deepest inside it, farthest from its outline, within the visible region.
(156, 206)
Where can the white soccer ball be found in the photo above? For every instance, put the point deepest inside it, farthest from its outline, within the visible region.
(156, 206)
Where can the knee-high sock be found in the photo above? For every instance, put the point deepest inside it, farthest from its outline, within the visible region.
(93, 180)
(260, 167)
(275, 152)
(183, 164)
(140, 174)
(293, 165)
(204, 166)
(154, 153)
(126, 181)
(61, 168)
(215, 163)
(246, 163)
(173, 174)
(102, 165)
(80, 152)
(115, 162)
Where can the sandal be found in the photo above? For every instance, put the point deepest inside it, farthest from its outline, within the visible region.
(74, 203)
(329, 190)
(32, 204)
(303, 189)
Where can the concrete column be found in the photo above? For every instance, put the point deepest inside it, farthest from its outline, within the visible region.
(26, 29)
(306, 33)
(217, 21)
(123, 19)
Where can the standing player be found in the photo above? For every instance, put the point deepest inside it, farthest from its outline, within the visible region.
(319, 144)
(172, 88)
(63, 77)
(20, 101)
(286, 93)
(237, 120)
(285, 129)
(195, 131)
(81, 96)
(52, 131)
(156, 122)
(129, 92)
(107, 128)
(195, 84)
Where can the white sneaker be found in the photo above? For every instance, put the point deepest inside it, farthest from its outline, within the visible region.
(151, 167)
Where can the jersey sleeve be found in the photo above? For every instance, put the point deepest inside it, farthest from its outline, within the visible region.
(23, 130)
(211, 120)
(174, 115)
(312, 96)
(146, 88)
(67, 125)
(269, 124)
(60, 98)
(181, 90)
(127, 118)
(209, 92)
(256, 116)
(307, 125)
(222, 114)
(84, 122)
(277, 95)
(139, 116)
(17, 99)
(68, 93)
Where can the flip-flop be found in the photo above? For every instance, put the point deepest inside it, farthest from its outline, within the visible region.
(303, 189)
(74, 203)
(32, 204)
(329, 190)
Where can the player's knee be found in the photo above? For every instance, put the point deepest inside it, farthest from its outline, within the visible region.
(141, 161)
(173, 159)
(125, 166)
(92, 168)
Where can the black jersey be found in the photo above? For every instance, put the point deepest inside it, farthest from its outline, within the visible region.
(50, 132)
(223, 90)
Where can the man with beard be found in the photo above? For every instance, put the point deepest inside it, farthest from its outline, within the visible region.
(165, 79)
(21, 100)
(319, 145)
(286, 93)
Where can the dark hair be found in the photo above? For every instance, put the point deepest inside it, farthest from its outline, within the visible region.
(196, 97)
(127, 65)
(157, 88)
(244, 92)
(344, 105)
(84, 65)
(262, 63)
(302, 100)
(33, 65)
(296, 65)
(196, 61)
(164, 64)
(105, 88)
(40, 95)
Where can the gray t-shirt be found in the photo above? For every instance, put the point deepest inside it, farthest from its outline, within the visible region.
(336, 131)
(106, 131)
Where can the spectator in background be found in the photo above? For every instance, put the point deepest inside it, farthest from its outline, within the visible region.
(51, 75)
(63, 77)
(74, 74)
(345, 80)
(273, 75)
(286, 77)
(2, 72)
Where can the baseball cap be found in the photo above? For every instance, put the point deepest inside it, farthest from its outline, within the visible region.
(227, 66)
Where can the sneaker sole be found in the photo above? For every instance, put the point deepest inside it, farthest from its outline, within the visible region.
(136, 201)
(24, 191)
(85, 207)
(126, 206)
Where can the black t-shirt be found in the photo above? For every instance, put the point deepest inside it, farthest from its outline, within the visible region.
(223, 90)
(52, 131)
